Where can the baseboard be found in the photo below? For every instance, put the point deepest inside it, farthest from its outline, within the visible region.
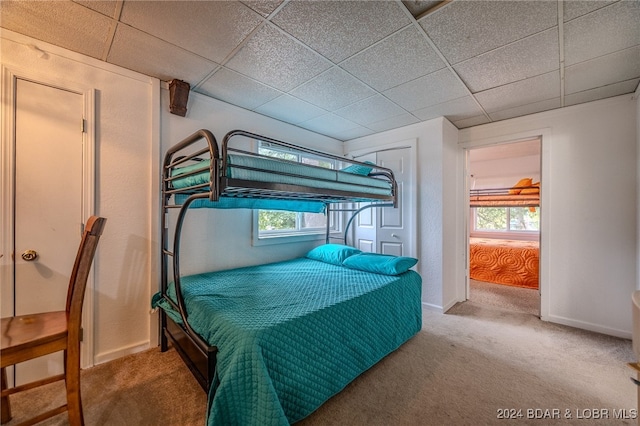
(450, 305)
(432, 307)
(119, 353)
(588, 326)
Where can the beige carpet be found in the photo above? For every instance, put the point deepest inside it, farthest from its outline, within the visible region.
(516, 299)
(462, 368)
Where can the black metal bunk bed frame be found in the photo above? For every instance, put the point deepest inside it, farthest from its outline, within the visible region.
(197, 354)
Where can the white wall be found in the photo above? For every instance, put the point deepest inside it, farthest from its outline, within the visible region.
(221, 239)
(126, 113)
(589, 219)
(504, 172)
(440, 261)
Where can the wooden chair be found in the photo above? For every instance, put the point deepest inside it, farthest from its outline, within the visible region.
(30, 336)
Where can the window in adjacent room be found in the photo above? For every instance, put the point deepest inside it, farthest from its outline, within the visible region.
(506, 219)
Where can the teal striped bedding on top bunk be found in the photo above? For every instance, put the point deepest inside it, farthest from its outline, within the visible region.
(261, 169)
(292, 334)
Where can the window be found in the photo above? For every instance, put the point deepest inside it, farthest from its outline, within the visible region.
(512, 220)
(295, 225)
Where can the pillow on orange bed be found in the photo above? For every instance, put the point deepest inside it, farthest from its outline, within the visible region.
(522, 183)
(534, 190)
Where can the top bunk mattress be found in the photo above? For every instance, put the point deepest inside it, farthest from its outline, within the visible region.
(250, 168)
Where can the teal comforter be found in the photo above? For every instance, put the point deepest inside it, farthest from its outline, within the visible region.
(292, 334)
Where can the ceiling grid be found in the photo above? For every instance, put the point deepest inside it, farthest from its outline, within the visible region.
(352, 68)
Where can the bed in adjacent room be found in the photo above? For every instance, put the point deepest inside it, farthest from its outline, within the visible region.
(508, 262)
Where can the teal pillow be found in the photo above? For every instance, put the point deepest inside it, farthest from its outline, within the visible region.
(334, 254)
(358, 169)
(380, 263)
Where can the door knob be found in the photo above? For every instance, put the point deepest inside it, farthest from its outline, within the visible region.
(395, 235)
(29, 255)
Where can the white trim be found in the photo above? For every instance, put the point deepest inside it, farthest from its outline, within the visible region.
(440, 309)
(412, 144)
(275, 238)
(10, 75)
(50, 49)
(6, 183)
(544, 135)
(88, 209)
(123, 351)
(590, 326)
(155, 223)
(466, 218)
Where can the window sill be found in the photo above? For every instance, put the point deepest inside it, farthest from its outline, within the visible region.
(288, 239)
(503, 235)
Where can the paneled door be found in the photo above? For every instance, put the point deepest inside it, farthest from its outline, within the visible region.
(48, 194)
(393, 225)
(387, 230)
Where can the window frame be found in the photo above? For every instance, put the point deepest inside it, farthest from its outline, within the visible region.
(260, 238)
(531, 235)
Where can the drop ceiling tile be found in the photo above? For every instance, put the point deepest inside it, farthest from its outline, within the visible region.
(211, 29)
(263, 7)
(613, 68)
(616, 89)
(432, 89)
(401, 120)
(290, 109)
(329, 124)
(64, 24)
(464, 29)
(400, 58)
(338, 29)
(455, 110)
(333, 89)
(576, 8)
(527, 109)
(470, 122)
(236, 89)
(604, 31)
(356, 132)
(418, 7)
(525, 58)
(375, 108)
(276, 60)
(535, 89)
(107, 7)
(141, 52)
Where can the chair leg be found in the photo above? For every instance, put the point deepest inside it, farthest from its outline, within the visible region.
(5, 407)
(74, 400)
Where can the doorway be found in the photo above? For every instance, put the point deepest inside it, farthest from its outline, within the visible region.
(47, 186)
(503, 232)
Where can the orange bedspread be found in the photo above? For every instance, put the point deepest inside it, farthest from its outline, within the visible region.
(507, 262)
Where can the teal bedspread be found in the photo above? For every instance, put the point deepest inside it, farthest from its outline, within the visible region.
(292, 334)
(254, 203)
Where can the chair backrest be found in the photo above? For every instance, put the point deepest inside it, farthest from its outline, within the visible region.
(80, 273)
